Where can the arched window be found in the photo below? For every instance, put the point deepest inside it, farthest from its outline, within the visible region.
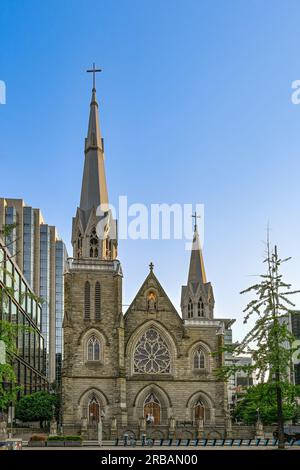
(190, 309)
(97, 301)
(93, 244)
(152, 409)
(199, 359)
(151, 355)
(200, 308)
(93, 349)
(79, 245)
(87, 301)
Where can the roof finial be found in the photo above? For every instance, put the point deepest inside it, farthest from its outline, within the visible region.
(94, 71)
(151, 266)
(195, 216)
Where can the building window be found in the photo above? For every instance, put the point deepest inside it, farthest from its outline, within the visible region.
(97, 301)
(93, 244)
(79, 245)
(200, 308)
(93, 349)
(152, 409)
(87, 301)
(199, 359)
(190, 309)
(151, 355)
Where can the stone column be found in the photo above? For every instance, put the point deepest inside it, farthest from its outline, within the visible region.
(200, 429)
(113, 428)
(212, 415)
(172, 426)
(259, 430)
(84, 428)
(142, 427)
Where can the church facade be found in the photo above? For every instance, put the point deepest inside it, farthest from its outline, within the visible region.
(149, 371)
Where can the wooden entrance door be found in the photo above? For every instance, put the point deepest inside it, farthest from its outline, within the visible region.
(94, 411)
(199, 411)
(152, 409)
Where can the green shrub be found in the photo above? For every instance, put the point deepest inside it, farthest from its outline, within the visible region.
(72, 438)
(56, 438)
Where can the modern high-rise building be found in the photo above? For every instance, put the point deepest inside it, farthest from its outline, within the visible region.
(294, 322)
(19, 306)
(41, 255)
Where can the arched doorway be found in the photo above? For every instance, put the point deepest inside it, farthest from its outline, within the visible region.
(93, 411)
(152, 409)
(199, 411)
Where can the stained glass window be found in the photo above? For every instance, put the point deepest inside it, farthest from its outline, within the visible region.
(151, 355)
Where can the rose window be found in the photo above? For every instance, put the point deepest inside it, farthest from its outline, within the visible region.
(151, 355)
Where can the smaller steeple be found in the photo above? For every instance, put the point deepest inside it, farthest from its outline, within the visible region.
(196, 270)
(197, 298)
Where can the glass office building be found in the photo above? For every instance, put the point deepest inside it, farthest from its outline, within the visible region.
(19, 306)
(11, 219)
(295, 327)
(60, 265)
(45, 284)
(41, 255)
(28, 244)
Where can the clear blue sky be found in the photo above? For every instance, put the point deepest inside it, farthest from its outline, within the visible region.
(195, 103)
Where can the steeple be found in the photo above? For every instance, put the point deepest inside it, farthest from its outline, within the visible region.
(87, 240)
(196, 270)
(197, 298)
(94, 189)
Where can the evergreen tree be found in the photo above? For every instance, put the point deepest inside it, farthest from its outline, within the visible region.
(270, 341)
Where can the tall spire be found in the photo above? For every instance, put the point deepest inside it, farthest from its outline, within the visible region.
(196, 270)
(94, 189)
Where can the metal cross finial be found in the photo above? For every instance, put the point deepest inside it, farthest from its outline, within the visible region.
(195, 216)
(94, 71)
(151, 266)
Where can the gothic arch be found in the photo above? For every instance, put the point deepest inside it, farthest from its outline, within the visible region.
(208, 403)
(84, 339)
(88, 396)
(138, 333)
(207, 353)
(96, 331)
(162, 396)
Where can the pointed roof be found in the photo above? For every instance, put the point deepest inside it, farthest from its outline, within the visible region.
(94, 189)
(196, 271)
(156, 284)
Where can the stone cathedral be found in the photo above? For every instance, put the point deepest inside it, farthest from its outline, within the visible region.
(150, 370)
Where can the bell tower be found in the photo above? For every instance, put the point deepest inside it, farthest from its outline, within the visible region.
(93, 331)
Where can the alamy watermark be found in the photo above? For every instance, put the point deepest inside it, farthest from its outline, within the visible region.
(157, 221)
(2, 92)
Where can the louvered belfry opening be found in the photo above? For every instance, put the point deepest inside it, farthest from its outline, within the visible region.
(87, 301)
(97, 301)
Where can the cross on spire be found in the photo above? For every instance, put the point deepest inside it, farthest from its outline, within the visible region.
(195, 216)
(151, 266)
(94, 71)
